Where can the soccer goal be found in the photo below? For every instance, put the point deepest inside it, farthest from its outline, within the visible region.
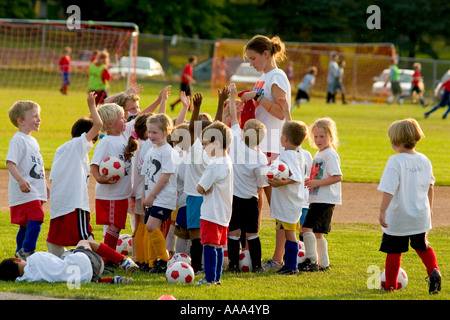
(30, 51)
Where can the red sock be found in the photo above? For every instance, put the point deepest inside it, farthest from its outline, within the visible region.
(429, 259)
(109, 254)
(106, 279)
(392, 268)
(111, 238)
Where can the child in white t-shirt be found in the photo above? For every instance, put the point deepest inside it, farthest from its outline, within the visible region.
(216, 186)
(160, 187)
(70, 212)
(406, 206)
(248, 161)
(324, 193)
(287, 195)
(27, 188)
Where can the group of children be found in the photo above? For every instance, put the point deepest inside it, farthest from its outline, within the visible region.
(206, 177)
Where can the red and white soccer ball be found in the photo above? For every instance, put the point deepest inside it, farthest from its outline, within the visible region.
(112, 167)
(402, 279)
(125, 244)
(180, 272)
(301, 252)
(276, 169)
(179, 257)
(245, 262)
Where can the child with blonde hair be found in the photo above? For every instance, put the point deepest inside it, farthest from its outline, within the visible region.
(160, 188)
(27, 188)
(406, 206)
(324, 186)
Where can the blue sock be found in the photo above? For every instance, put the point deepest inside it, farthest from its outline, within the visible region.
(209, 262)
(20, 237)
(31, 235)
(219, 265)
(291, 252)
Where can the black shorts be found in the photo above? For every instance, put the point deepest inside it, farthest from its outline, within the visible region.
(96, 262)
(395, 87)
(186, 87)
(319, 217)
(416, 89)
(244, 215)
(302, 95)
(400, 244)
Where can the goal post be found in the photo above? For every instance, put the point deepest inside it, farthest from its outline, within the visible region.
(30, 50)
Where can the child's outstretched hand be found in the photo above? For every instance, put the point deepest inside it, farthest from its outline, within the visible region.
(135, 88)
(185, 100)
(91, 98)
(233, 90)
(197, 100)
(224, 94)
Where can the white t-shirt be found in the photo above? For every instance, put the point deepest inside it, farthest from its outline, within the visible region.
(180, 173)
(307, 158)
(46, 267)
(286, 201)
(196, 162)
(106, 147)
(24, 151)
(306, 83)
(325, 164)
(407, 177)
(159, 160)
(271, 142)
(217, 205)
(247, 164)
(70, 177)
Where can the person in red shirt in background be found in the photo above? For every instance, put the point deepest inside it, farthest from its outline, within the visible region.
(64, 67)
(186, 80)
(416, 87)
(445, 100)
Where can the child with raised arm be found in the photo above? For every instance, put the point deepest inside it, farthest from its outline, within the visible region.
(248, 161)
(406, 206)
(27, 188)
(324, 194)
(287, 195)
(160, 188)
(70, 212)
(216, 187)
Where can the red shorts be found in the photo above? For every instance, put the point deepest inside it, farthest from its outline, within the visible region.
(111, 212)
(22, 213)
(69, 229)
(214, 233)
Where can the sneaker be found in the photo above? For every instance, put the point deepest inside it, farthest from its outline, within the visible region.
(286, 271)
(434, 282)
(128, 265)
(205, 282)
(426, 115)
(23, 255)
(327, 268)
(159, 266)
(121, 280)
(272, 265)
(308, 266)
(258, 269)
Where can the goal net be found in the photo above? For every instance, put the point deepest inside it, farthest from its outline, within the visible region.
(363, 63)
(30, 51)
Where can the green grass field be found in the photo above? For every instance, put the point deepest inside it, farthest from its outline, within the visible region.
(364, 150)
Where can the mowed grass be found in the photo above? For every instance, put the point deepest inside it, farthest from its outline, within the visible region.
(353, 248)
(362, 128)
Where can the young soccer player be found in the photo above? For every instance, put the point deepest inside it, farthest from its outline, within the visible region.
(160, 187)
(64, 67)
(86, 258)
(324, 186)
(287, 195)
(216, 186)
(111, 197)
(248, 186)
(27, 187)
(406, 206)
(70, 212)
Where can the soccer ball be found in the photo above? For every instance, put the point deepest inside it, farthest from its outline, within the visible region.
(276, 169)
(125, 244)
(112, 167)
(402, 279)
(245, 262)
(179, 257)
(301, 256)
(181, 272)
(301, 245)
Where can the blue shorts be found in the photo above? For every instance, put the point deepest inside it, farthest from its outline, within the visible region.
(303, 216)
(193, 206)
(158, 212)
(66, 78)
(181, 217)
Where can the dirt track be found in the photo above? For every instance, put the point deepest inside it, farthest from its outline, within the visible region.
(360, 202)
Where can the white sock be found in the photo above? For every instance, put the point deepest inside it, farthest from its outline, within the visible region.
(322, 252)
(309, 239)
